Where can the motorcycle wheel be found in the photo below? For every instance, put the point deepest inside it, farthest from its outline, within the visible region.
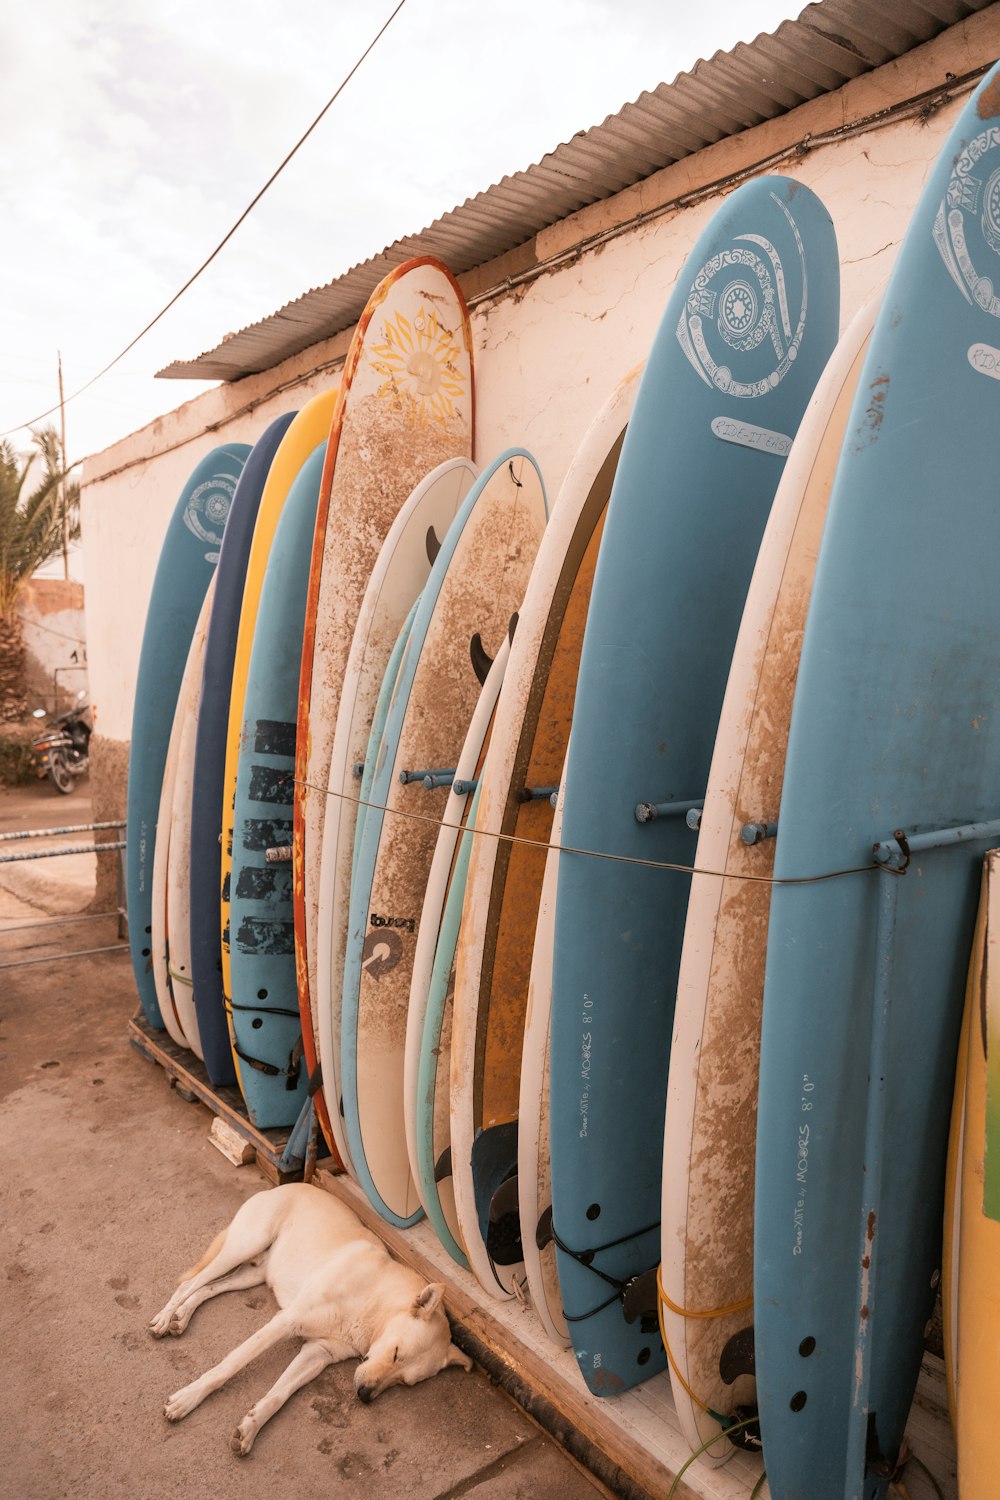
(60, 775)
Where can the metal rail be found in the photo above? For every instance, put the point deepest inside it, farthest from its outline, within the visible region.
(44, 833)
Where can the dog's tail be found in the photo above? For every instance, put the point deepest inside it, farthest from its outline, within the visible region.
(209, 1255)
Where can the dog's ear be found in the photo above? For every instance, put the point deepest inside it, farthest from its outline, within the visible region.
(456, 1357)
(429, 1300)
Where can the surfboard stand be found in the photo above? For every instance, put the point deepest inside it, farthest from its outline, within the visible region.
(282, 1155)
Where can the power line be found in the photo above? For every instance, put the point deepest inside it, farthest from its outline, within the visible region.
(225, 239)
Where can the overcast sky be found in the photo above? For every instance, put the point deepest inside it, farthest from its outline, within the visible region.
(134, 134)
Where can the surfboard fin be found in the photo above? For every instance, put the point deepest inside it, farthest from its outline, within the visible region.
(543, 1230)
(442, 1167)
(432, 544)
(639, 1299)
(738, 1356)
(503, 1233)
(481, 659)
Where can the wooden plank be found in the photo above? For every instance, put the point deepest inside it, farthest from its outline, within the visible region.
(232, 1145)
(226, 1103)
(637, 1431)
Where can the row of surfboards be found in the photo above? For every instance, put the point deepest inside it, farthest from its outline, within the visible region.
(552, 843)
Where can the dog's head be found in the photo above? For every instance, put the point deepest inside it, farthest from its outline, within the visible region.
(412, 1346)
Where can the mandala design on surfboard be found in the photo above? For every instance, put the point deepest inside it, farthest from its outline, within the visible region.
(206, 512)
(422, 367)
(739, 305)
(967, 224)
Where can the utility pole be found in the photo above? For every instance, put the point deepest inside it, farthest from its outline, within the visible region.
(62, 487)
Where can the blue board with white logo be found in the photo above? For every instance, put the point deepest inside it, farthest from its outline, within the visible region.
(744, 338)
(187, 563)
(210, 754)
(895, 726)
(264, 1019)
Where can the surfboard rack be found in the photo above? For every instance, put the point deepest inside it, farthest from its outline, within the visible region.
(632, 1440)
(891, 855)
(436, 776)
(463, 788)
(648, 812)
(536, 793)
(189, 1077)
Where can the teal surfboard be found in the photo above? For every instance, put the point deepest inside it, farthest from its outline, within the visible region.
(745, 335)
(430, 1085)
(895, 726)
(264, 1012)
(187, 563)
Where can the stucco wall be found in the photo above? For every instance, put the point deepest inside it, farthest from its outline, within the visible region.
(52, 624)
(550, 347)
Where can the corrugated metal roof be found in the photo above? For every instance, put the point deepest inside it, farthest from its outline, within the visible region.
(830, 43)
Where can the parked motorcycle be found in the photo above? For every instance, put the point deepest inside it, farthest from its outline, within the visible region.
(62, 749)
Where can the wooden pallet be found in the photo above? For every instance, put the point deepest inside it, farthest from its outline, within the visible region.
(187, 1074)
(637, 1433)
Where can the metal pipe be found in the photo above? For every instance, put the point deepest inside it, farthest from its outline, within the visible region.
(463, 788)
(87, 916)
(408, 776)
(756, 833)
(536, 793)
(434, 779)
(44, 833)
(56, 958)
(648, 812)
(890, 851)
(10, 859)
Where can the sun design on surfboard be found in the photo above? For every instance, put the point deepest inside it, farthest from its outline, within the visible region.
(422, 365)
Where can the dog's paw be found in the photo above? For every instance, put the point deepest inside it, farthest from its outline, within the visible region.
(242, 1439)
(160, 1324)
(181, 1402)
(177, 1325)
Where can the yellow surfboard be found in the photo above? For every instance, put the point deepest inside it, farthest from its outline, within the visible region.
(971, 1292)
(310, 428)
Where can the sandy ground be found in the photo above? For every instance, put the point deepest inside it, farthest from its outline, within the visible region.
(110, 1189)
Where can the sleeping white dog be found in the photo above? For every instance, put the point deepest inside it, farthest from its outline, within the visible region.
(337, 1287)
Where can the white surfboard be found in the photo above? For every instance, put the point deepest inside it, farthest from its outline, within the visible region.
(179, 849)
(477, 584)
(504, 884)
(400, 572)
(441, 888)
(534, 1175)
(710, 1127)
(162, 919)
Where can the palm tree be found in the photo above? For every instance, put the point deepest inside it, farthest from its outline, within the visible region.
(31, 531)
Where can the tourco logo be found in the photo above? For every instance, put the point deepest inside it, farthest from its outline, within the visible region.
(206, 511)
(737, 327)
(967, 224)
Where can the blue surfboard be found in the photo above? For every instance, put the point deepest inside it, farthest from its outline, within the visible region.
(744, 338)
(187, 562)
(210, 754)
(895, 726)
(263, 1009)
